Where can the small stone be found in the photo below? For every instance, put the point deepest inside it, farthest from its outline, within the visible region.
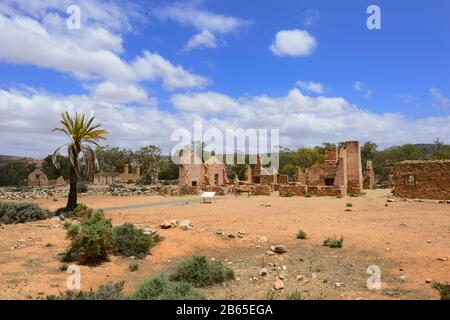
(282, 275)
(442, 259)
(185, 225)
(280, 249)
(390, 200)
(300, 277)
(278, 284)
(268, 252)
(174, 222)
(401, 269)
(238, 279)
(262, 239)
(313, 276)
(428, 280)
(284, 268)
(403, 278)
(166, 225)
(338, 284)
(428, 241)
(263, 272)
(242, 233)
(231, 235)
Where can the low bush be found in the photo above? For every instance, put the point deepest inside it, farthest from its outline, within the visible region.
(160, 288)
(133, 267)
(130, 241)
(14, 212)
(444, 290)
(302, 235)
(82, 187)
(201, 272)
(288, 194)
(333, 242)
(109, 291)
(296, 295)
(349, 205)
(81, 211)
(91, 240)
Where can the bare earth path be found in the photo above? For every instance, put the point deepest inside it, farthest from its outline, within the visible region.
(409, 241)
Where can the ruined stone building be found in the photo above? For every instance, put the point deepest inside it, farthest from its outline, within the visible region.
(125, 177)
(339, 174)
(39, 179)
(264, 176)
(194, 173)
(369, 176)
(422, 179)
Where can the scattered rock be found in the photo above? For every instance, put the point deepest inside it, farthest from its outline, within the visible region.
(262, 239)
(390, 200)
(313, 276)
(442, 259)
(174, 222)
(279, 249)
(300, 277)
(339, 284)
(428, 280)
(263, 272)
(284, 267)
(282, 275)
(231, 235)
(278, 284)
(149, 231)
(166, 225)
(403, 278)
(185, 225)
(270, 253)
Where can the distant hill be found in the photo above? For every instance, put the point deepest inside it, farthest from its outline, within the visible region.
(5, 159)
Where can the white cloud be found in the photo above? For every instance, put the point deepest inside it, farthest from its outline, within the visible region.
(204, 39)
(293, 43)
(119, 93)
(207, 103)
(28, 117)
(152, 66)
(362, 88)
(188, 14)
(439, 100)
(88, 54)
(311, 86)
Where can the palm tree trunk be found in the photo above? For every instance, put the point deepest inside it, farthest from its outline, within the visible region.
(72, 201)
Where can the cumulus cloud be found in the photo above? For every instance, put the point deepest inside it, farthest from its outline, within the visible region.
(293, 43)
(204, 39)
(119, 93)
(29, 115)
(311, 86)
(88, 54)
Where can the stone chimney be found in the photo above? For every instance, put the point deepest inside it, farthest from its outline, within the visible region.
(126, 169)
(138, 170)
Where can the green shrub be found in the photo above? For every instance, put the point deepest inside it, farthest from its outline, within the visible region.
(81, 211)
(82, 187)
(296, 295)
(308, 195)
(63, 267)
(349, 205)
(160, 288)
(130, 241)
(200, 272)
(14, 212)
(288, 194)
(444, 290)
(109, 291)
(333, 242)
(133, 267)
(91, 240)
(302, 235)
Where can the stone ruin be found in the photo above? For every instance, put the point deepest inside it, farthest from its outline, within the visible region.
(341, 173)
(422, 179)
(369, 176)
(125, 177)
(193, 173)
(264, 176)
(39, 179)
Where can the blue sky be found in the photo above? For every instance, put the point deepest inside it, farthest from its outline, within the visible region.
(390, 85)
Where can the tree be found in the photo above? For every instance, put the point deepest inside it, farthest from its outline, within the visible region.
(368, 151)
(54, 173)
(150, 160)
(82, 134)
(112, 160)
(15, 173)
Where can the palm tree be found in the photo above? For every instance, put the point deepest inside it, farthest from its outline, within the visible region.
(82, 134)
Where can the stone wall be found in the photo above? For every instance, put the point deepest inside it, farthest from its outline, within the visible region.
(354, 167)
(369, 176)
(422, 179)
(261, 190)
(323, 191)
(293, 190)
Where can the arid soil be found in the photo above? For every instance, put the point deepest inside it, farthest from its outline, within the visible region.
(408, 240)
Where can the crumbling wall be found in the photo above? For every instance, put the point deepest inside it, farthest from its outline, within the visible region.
(354, 167)
(422, 179)
(369, 176)
(293, 190)
(323, 191)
